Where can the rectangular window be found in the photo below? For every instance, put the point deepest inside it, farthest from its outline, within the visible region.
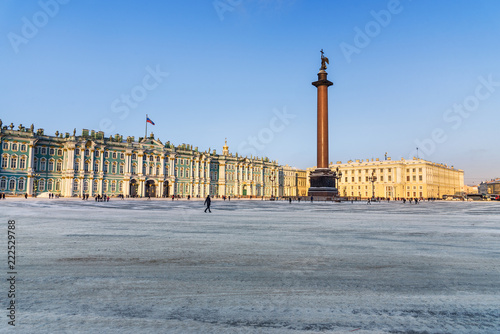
(382, 179)
(13, 162)
(420, 178)
(14, 147)
(3, 184)
(389, 178)
(5, 146)
(408, 178)
(59, 166)
(4, 162)
(105, 168)
(414, 178)
(121, 169)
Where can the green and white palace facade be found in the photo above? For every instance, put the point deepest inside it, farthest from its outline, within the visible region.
(34, 163)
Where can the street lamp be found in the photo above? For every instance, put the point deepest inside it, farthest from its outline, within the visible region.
(35, 184)
(272, 178)
(372, 179)
(337, 175)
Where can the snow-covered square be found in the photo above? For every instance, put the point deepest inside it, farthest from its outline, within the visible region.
(161, 266)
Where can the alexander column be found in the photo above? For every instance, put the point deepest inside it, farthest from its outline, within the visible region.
(322, 180)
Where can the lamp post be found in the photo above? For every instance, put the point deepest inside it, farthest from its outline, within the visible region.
(372, 179)
(272, 178)
(35, 184)
(337, 175)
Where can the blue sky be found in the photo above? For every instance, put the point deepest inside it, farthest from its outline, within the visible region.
(406, 74)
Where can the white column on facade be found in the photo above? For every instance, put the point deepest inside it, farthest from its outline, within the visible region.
(128, 162)
(140, 163)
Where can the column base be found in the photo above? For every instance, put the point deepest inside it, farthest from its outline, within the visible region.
(323, 184)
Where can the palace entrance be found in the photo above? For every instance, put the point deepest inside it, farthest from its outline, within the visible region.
(165, 189)
(150, 189)
(134, 187)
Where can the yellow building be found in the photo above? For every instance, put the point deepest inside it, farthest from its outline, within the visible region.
(292, 182)
(415, 178)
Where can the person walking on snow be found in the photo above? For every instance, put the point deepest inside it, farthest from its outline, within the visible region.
(207, 203)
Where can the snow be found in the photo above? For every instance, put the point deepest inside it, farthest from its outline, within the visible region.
(162, 266)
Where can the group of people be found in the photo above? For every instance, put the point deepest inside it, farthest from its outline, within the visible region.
(100, 198)
(2, 196)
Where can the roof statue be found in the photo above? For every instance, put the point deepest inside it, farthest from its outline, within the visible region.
(324, 61)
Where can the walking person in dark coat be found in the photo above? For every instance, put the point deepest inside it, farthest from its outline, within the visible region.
(207, 203)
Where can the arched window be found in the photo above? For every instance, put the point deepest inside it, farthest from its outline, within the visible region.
(41, 185)
(134, 168)
(120, 186)
(5, 159)
(144, 167)
(76, 184)
(151, 158)
(59, 152)
(87, 152)
(77, 151)
(113, 168)
(59, 165)
(51, 151)
(20, 185)
(23, 147)
(113, 186)
(114, 155)
(50, 184)
(134, 156)
(96, 154)
(151, 169)
(96, 166)
(122, 168)
(12, 184)
(157, 170)
(77, 165)
(85, 186)
(96, 184)
(5, 146)
(51, 165)
(58, 185)
(13, 162)
(3, 183)
(14, 147)
(106, 166)
(182, 172)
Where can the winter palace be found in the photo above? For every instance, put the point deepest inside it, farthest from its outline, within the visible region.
(70, 165)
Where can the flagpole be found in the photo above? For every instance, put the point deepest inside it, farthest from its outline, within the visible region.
(146, 133)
